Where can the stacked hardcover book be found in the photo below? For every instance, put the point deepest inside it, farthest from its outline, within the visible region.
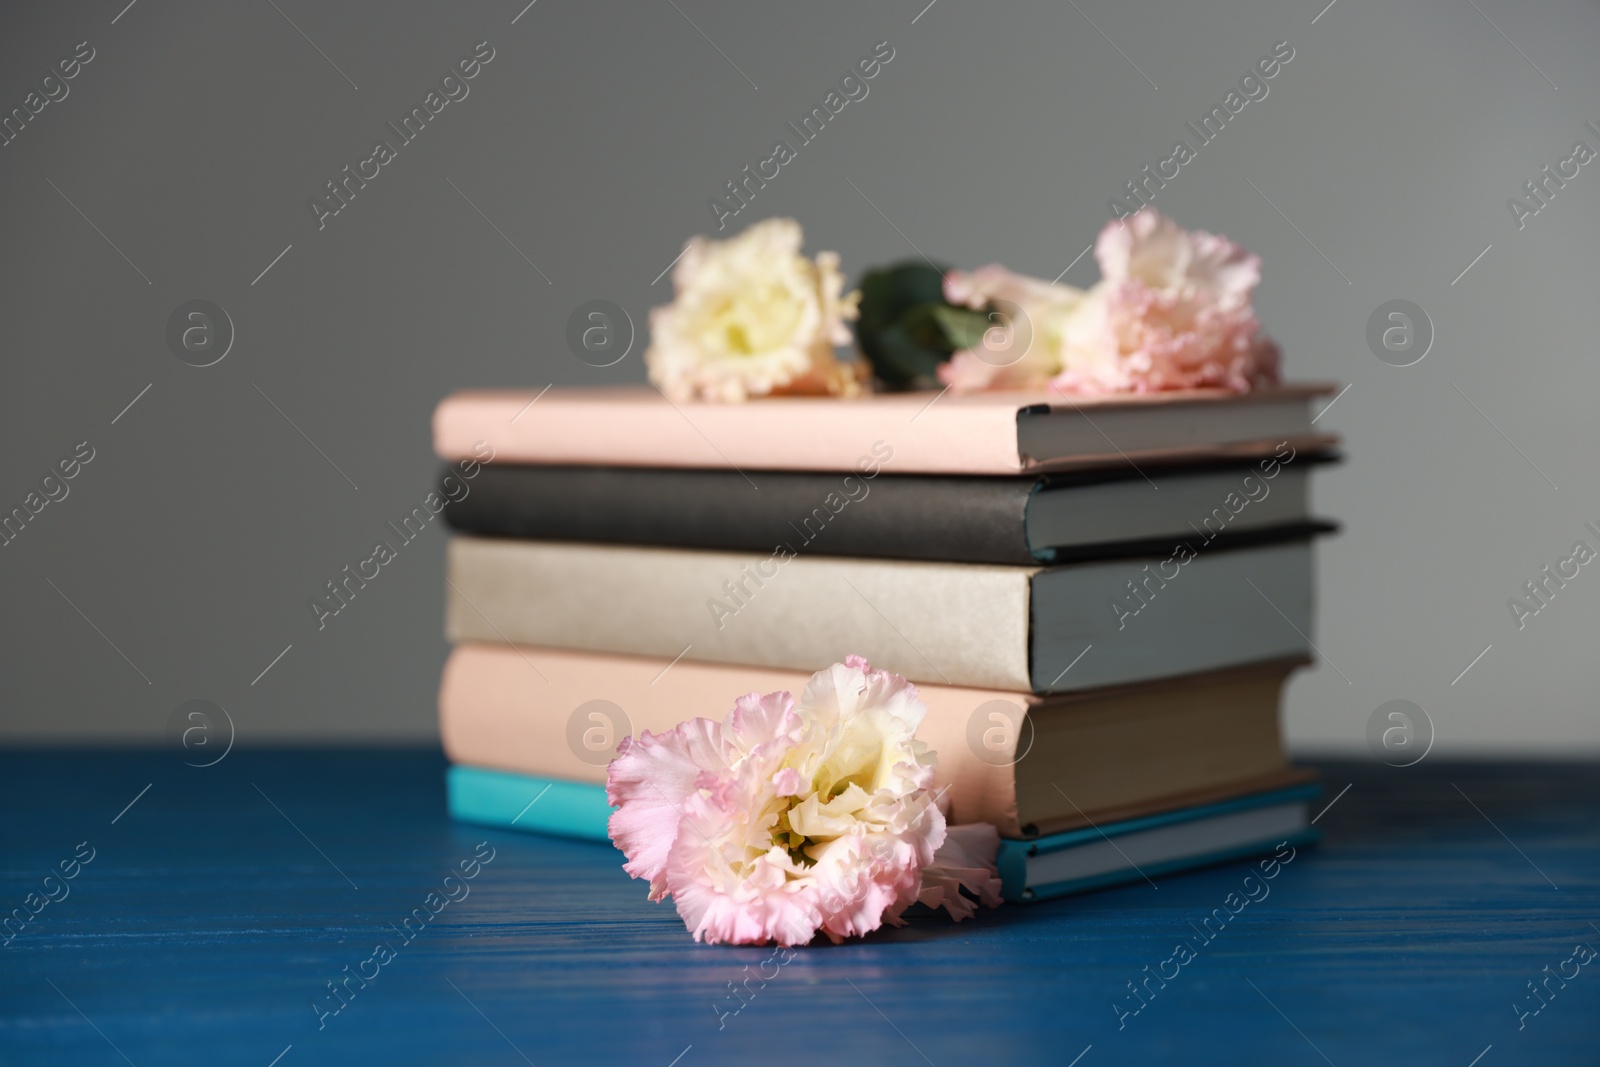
(1099, 600)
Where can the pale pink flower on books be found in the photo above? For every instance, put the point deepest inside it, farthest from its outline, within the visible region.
(1023, 348)
(1172, 311)
(793, 817)
(752, 316)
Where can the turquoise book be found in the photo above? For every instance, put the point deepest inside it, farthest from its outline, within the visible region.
(1096, 857)
(524, 802)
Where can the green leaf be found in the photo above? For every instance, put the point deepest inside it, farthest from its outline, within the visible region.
(962, 327)
(897, 329)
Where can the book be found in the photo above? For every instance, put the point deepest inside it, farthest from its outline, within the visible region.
(1132, 850)
(1077, 861)
(1028, 519)
(1027, 764)
(1066, 628)
(907, 433)
(525, 802)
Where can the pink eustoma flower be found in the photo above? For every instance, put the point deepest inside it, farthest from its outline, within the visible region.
(793, 817)
(1172, 311)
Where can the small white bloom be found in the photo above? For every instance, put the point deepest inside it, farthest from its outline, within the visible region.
(752, 316)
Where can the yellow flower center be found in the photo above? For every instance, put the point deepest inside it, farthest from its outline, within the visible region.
(754, 321)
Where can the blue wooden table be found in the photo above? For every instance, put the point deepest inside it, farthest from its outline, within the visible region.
(205, 920)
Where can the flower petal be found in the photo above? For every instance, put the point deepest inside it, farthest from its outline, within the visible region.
(648, 782)
(966, 860)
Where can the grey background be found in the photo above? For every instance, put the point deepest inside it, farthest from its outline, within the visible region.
(593, 140)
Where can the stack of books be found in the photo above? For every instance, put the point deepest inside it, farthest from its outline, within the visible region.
(1099, 600)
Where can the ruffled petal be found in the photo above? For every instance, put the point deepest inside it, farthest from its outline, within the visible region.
(648, 783)
(757, 721)
(966, 860)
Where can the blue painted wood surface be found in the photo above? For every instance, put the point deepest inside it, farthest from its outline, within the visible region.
(217, 907)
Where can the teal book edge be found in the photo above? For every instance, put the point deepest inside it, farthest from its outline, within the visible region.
(1013, 857)
(524, 802)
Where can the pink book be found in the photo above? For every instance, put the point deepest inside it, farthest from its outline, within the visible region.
(1026, 764)
(903, 433)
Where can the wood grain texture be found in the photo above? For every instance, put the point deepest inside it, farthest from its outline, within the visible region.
(206, 925)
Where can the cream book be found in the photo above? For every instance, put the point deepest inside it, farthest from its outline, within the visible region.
(1065, 628)
(903, 433)
(1029, 765)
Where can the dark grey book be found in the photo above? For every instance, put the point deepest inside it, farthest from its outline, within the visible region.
(1024, 520)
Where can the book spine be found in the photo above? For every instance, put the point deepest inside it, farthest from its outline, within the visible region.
(495, 711)
(965, 520)
(525, 802)
(952, 623)
(638, 427)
